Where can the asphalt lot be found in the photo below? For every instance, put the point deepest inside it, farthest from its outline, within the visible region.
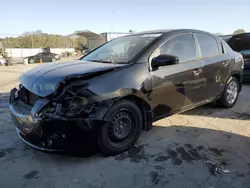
(181, 151)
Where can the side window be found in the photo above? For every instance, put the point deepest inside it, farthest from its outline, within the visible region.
(208, 45)
(226, 47)
(221, 49)
(182, 46)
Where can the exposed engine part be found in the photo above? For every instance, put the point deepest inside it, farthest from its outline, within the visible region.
(58, 108)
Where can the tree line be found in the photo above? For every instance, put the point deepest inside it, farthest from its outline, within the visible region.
(38, 39)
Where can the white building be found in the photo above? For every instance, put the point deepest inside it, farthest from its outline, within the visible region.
(95, 40)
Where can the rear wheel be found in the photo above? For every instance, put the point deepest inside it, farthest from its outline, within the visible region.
(230, 94)
(122, 129)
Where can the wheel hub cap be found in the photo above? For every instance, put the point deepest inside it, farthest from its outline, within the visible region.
(232, 92)
(120, 126)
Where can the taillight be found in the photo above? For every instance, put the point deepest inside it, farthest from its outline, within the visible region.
(240, 60)
(242, 63)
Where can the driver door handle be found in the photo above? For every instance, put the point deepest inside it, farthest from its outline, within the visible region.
(196, 72)
(226, 63)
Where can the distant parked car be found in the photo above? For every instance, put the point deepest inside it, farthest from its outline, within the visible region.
(241, 43)
(122, 87)
(44, 56)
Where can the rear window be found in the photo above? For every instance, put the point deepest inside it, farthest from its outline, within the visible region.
(208, 45)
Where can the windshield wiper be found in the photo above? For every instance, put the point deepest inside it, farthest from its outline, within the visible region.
(105, 61)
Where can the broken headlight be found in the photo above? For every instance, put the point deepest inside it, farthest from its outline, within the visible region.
(78, 101)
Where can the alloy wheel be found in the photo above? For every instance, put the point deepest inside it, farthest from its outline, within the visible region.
(232, 92)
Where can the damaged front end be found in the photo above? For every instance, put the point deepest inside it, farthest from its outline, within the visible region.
(67, 120)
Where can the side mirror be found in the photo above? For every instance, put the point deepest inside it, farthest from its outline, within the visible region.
(164, 60)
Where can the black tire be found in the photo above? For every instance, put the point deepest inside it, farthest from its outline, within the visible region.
(126, 110)
(223, 101)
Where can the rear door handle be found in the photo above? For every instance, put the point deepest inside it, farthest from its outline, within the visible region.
(196, 72)
(226, 63)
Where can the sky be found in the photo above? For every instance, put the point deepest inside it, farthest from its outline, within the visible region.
(66, 16)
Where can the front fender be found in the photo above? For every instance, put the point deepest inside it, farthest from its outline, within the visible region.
(112, 98)
(97, 94)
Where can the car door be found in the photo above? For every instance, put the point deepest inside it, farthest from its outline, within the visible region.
(177, 87)
(215, 63)
(37, 57)
(49, 57)
(46, 57)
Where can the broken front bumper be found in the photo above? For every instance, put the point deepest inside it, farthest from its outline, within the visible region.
(49, 134)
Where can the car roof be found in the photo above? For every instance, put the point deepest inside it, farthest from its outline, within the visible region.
(165, 31)
(155, 31)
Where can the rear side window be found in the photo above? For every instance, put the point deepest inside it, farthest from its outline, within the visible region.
(221, 49)
(208, 45)
(226, 46)
(182, 46)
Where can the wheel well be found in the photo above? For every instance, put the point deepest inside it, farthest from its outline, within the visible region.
(238, 77)
(145, 111)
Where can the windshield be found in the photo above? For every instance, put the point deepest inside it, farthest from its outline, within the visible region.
(121, 50)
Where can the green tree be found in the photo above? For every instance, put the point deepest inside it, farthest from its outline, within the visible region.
(38, 39)
(239, 31)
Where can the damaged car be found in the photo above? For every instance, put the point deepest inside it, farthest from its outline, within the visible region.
(119, 89)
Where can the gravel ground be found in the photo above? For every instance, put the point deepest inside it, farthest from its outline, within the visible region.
(183, 150)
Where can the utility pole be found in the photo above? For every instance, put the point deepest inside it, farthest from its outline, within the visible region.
(32, 39)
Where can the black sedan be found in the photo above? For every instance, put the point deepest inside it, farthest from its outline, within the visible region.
(241, 43)
(44, 56)
(121, 88)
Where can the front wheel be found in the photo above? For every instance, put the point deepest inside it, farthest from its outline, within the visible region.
(122, 129)
(230, 94)
(32, 61)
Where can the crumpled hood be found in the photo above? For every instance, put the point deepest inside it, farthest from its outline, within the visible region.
(43, 80)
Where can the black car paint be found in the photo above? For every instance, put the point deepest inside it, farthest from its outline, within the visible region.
(95, 87)
(45, 57)
(239, 43)
(52, 74)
